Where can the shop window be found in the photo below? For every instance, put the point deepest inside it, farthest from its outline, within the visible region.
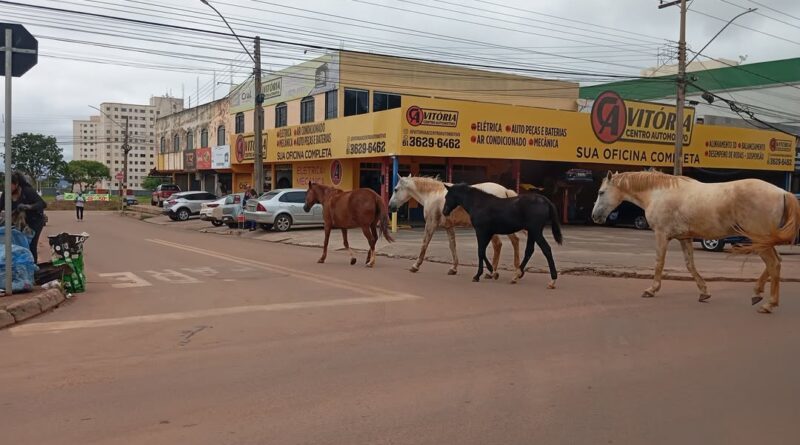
(356, 102)
(176, 143)
(204, 137)
(385, 101)
(280, 115)
(332, 104)
(307, 110)
(239, 123)
(221, 135)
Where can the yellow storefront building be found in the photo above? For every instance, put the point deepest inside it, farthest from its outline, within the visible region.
(355, 120)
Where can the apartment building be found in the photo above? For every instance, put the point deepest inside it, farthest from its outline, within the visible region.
(101, 138)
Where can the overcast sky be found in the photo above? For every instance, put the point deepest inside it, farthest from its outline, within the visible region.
(573, 35)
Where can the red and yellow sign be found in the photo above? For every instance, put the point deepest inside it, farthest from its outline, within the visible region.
(203, 158)
(615, 132)
(640, 136)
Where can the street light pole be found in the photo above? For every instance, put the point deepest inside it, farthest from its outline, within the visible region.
(258, 123)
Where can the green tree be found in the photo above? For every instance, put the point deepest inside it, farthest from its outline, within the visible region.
(36, 155)
(151, 182)
(85, 174)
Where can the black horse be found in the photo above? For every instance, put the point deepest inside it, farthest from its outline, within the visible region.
(491, 216)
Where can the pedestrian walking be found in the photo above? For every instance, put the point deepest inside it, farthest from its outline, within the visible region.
(80, 202)
(24, 198)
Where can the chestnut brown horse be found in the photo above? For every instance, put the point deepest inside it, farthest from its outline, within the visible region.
(347, 210)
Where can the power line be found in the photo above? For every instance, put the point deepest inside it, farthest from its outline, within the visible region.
(746, 27)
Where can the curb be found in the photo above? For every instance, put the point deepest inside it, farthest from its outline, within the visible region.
(30, 306)
(574, 271)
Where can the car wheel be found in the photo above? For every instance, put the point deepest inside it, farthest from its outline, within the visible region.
(641, 223)
(266, 227)
(173, 217)
(713, 245)
(233, 226)
(283, 223)
(184, 214)
(153, 203)
(217, 223)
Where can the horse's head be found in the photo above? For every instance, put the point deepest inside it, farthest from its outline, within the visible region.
(401, 193)
(609, 197)
(453, 198)
(314, 195)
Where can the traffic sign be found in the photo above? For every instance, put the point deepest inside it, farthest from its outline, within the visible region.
(24, 49)
(120, 176)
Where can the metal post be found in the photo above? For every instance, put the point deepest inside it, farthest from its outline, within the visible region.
(681, 95)
(395, 175)
(125, 150)
(258, 160)
(7, 185)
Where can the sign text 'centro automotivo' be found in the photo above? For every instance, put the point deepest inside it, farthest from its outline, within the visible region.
(615, 119)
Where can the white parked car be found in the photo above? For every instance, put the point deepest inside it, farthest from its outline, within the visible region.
(223, 211)
(282, 209)
(183, 205)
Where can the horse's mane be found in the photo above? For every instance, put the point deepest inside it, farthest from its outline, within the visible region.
(647, 180)
(427, 184)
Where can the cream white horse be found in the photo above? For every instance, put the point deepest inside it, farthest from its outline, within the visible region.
(677, 207)
(430, 194)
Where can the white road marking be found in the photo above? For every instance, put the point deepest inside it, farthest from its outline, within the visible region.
(125, 280)
(363, 289)
(205, 271)
(172, 276)
(58, 326)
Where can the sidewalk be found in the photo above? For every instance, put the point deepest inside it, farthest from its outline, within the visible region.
(20, 307)
(587, 250)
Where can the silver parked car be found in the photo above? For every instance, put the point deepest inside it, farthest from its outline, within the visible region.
(181, 206)
(282, 209)
(223, 211)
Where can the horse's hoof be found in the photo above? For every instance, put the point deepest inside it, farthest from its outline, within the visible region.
(452, 272)
(515, 281)
(648, 294)
(320, 261)
(488, 275)
(704, 297)
(764, 310)
(755, 300)
(352, 261)
(414, 269)
(551, 285)
(476, 279)
(496, 275)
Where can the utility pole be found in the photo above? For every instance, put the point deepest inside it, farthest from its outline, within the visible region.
(680, 97)
(8, 48)
(123, 186)
(258, 122)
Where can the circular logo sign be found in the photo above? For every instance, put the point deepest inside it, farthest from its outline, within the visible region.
(773, 143)
(336, 172)
(414, 116)
(609, 117)
(239, 148)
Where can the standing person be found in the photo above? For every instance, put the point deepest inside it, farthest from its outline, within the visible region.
(250, 194)
(25, 198)
(80, 201)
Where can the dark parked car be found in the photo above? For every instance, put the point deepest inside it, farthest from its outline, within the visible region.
(628, 214)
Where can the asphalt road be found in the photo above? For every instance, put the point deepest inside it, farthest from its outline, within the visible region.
(197, 338)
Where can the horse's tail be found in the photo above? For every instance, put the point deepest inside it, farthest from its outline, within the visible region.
(555, 225)
(778, 235)
(383, 214)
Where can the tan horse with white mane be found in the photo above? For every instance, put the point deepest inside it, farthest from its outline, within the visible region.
(430, 194)
(677, 207)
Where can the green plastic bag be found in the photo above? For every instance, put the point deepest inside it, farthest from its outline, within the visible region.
(67, 249)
